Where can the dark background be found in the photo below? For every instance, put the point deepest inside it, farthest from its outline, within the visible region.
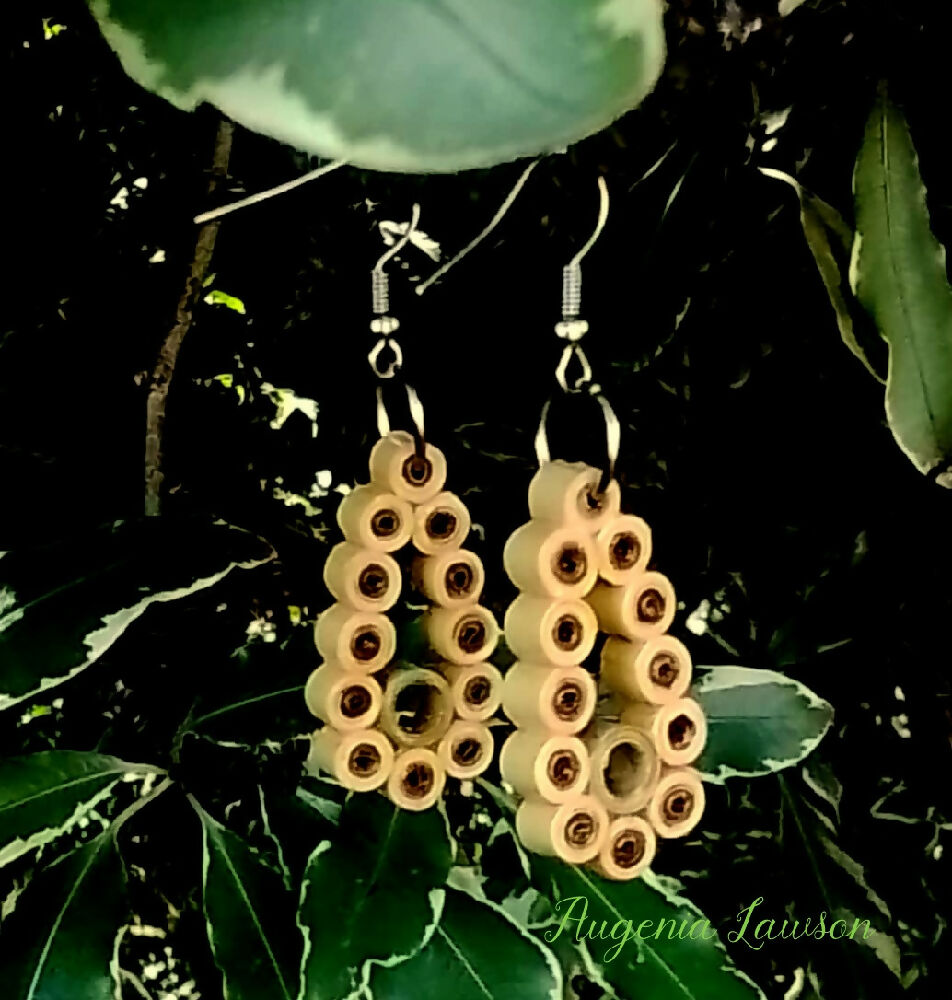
(755, 444)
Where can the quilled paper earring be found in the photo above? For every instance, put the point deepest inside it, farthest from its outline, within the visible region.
(390, 725)
(602, 766)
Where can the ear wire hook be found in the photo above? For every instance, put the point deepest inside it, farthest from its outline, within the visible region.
(572, 329)
(385, 326)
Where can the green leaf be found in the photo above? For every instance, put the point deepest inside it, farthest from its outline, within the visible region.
(61, 940)
(249, 914)
(371, 896)
(216, 297)
(644, 936)
(759, 721)
(476, 952)
(45, 793)
(410, 85)
(898, 274)
(62, 606)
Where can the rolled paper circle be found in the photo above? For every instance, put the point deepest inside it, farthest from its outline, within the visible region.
(342, 698)
(395, 466)
(622, 549)
(678, 729)
(360, 760)
(640, 609)
(657, 671)
(440, 523)
(566, 492)
(466, 750)
(362, 578)
(573, 831)
(629, 848)
(625, 768)
(416, 780)
(551, 560)
(543, 630)
(450, 578)
(560, 700)
(462, 635)
(539, 765)
(417, 707)
(371, 517)
(677, 805)
(355, 640)
(476, 690)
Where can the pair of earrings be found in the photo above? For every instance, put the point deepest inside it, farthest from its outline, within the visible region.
(602, 767)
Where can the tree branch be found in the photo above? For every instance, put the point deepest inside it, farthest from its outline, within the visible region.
(168, 355)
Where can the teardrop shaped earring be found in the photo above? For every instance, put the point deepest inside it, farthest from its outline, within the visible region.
(602, 767)
(402, 729)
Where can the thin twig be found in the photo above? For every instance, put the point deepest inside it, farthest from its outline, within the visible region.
(168, 355)
(254, 199)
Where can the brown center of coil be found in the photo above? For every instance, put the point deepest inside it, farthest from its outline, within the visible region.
(385, 523)
(628, 848)
(570, 563)
(477, 691)
(365, 644)
(581, 829)
(681, 732)
(364, 760)
(417, 471)
(663, 670)
(459, 579)
(471, 635)
(467, 751)
(678, 805)
(417, 708)
(355, 701)
(373, 582)
(441, 524)
(624, 769)
(651, 606)
(567, 633)
(418, 780)
(590, 501)
(563, 769)
(624, 551)
(568, 702)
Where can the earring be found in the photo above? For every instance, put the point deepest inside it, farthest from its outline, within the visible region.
(389, 725)
(603, 769)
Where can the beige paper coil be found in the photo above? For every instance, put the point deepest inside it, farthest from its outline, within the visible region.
(551, 560)
(628, 850)
(360, 759)
(476, 690)
(451, 578)
(625, 768)
(543, 630)
(679, 729)
(395, 467)
(566, 492)
(462, 635)
(466, 750)
(641, 609)
(417, 707)
(657, 671)
(441, 523)
(573, 831)
(539, 765)
(417, 779)
(622, 549)
(375, 519)
(362, 578)
(677, 805)
(342, 698)
(558, 699)
(355, 640)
